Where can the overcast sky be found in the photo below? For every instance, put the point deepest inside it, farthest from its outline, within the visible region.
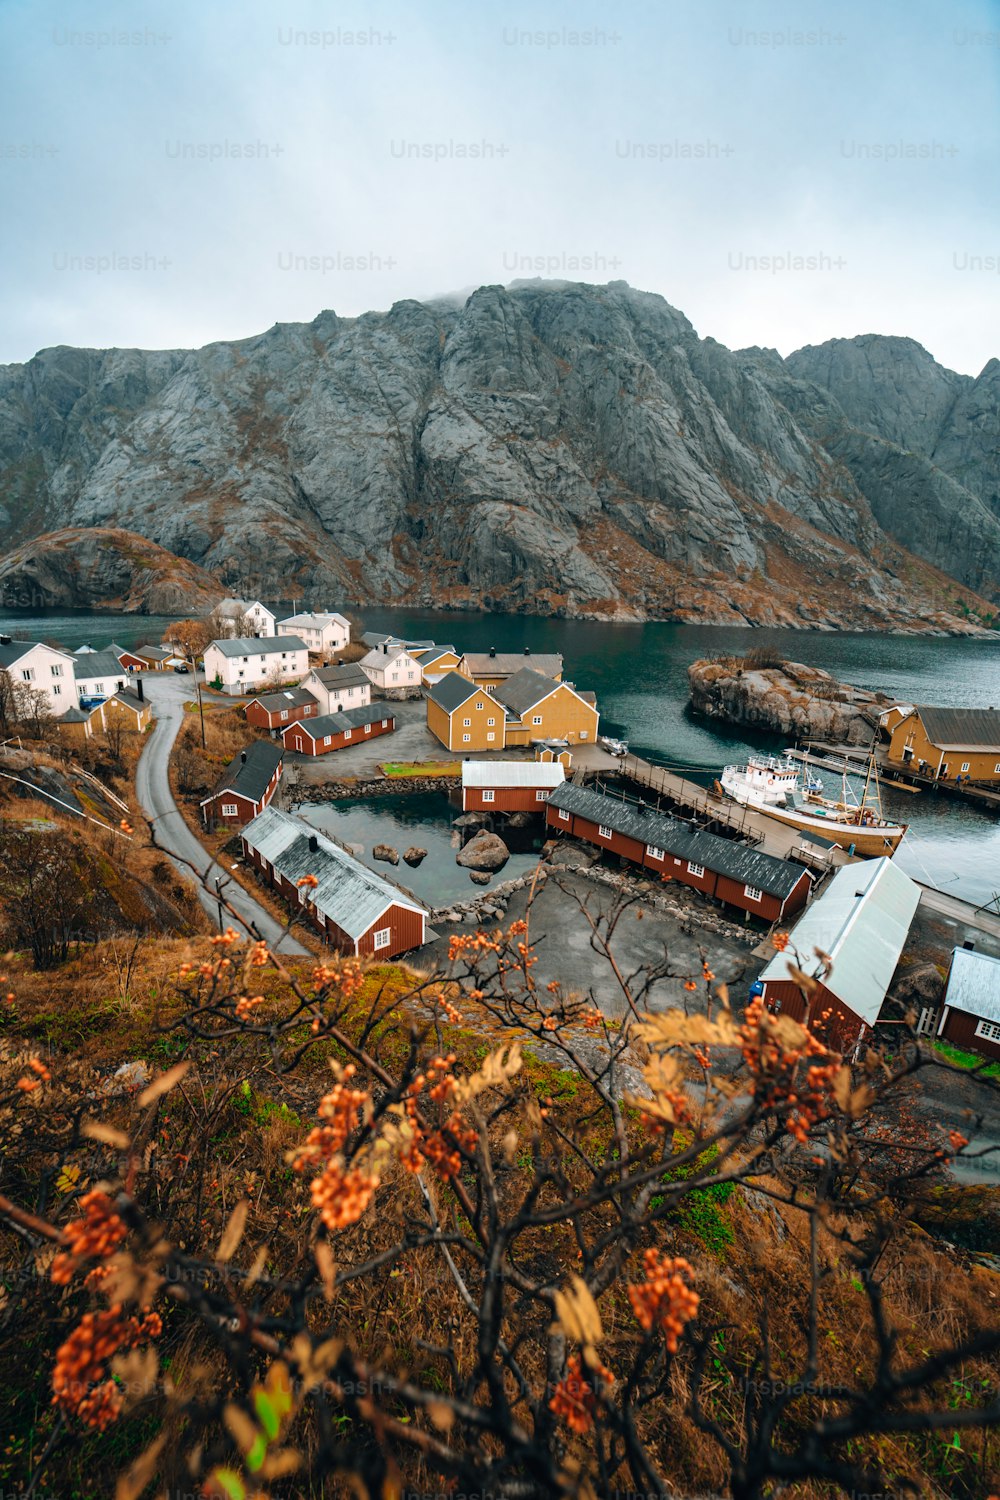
(695, 148)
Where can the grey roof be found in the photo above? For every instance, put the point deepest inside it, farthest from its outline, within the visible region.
(381, 658)
(130, 699)
(296, 697)
(250, 777)
(509, 662)
(97, 664)
(348, 892)
(778, 877)
(861, 920)
(961, 728)
(12, 651)
(159, 652)
(348, 675)
(232, 607)
(524, 689)
(348, 718)
(974, 984)
(257, 645)
(452, 691)
(375, 638)
(75, 716)
(313, 619)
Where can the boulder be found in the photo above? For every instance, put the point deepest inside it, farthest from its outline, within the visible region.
(470, 820)
(520, 819)
(486, 851)
(387, 853)
(481, 877)
(413, 855)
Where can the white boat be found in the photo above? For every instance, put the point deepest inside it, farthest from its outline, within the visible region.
(774, 787)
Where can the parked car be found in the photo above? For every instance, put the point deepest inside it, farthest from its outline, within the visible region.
(182, 666)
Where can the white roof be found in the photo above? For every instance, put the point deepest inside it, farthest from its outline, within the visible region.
(862, 921)
(313, 621)
(974, 984)
(379, 658)
(529, 773)
(348, 892)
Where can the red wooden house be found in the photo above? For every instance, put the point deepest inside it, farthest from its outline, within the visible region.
(357, 911)
(246, 786)
(129, 660)
(722, 868)
(338, 731)
(970, 1018)
(509, 785)
(861, 922)
(275, 710)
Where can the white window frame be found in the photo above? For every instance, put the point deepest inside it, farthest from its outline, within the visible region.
(284, 713)
(542, 796)
(382, 938)
(536, 718)
(654, 853)
(989, 1031)
(27, 674)
(753, 893)
(385, 723)
(490, 723)
(489, 796)
(604, 832)
(585, 734)
(694, 869)
(490, 736)
(996, 769)
(563, 815)
(466, 739)
(466, 723)
(56, 670)
(57, 691)
(230, 810)
(327, 738)
(965, 765)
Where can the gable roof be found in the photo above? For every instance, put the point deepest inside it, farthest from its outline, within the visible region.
(12, 651)
(256, 645)
(506, 663)
(961, 728)
(347, 892)
(250, 777)
(152, 653)
(233, 607)
(97, 664)
(525, 688)
(861, 920)
(974, 984)
(340, 676)
(778, 877)
(296, 697)
(452, 690)
(131, 700)
(315, 620)
(380, 658)
(515, 773)
(348, 718)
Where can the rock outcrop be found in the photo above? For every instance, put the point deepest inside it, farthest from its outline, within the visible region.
(787, 698)
(81, 568)
(386, 853)
(484, 852)
(551, 447)
(414, 855)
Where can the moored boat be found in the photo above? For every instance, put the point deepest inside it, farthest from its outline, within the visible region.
(774, 787)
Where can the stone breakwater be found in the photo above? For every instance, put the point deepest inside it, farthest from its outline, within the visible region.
(785, 697)
(376, 786)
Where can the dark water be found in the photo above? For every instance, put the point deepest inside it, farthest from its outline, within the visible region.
(423, 819)
(639, 673)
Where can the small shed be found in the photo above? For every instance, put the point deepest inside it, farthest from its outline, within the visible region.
(351, 726)
(509, 785)
(970, 1018)
(246, 786)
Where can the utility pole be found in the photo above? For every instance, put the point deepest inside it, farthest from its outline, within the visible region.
(201, 706)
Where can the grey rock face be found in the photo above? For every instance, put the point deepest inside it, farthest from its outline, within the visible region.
(557, 447)
(793, 699)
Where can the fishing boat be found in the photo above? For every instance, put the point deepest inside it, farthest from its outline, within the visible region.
(774, 786)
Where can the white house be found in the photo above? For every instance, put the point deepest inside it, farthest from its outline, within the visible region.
(390, 668)
(254, 618)
(43, 668)
(322, 633)
(245, 665)
(339, 687)
(98, 675)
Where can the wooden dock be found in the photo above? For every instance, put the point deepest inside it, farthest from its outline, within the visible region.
(853, 760)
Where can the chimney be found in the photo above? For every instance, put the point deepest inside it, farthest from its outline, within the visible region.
(969, 944)
(385, 648)
(139, 691)
(493, 652)
(313, 844)
(243, 757)
(527, 650)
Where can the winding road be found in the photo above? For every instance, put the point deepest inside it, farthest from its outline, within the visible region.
(168, 694)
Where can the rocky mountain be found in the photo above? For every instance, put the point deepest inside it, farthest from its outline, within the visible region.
(81, 567)
(549, 447)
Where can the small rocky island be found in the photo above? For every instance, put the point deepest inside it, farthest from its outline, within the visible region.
(763, 691)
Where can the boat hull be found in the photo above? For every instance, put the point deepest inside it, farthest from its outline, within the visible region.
(869, 842)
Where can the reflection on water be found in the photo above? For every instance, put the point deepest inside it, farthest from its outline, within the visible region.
(422, 819)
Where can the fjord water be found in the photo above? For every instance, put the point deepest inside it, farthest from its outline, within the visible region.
(639, 672)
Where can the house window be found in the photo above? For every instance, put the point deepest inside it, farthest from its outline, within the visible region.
(382, 938)
(368, 729)
(467, 724)
(385, 723)
(229, 809)
(57, 671)
(284, 713)
(490, 737)
(347, 736)
(480, 704)
(563, 815)
(491, 723)
(536, 719)
(56, 691)
(604, 832)
(695, 869)
(584, 734)
(989, 1031)
(752, 893)
(98, 687)
(541, 796)
(466, 738)
(996, 770)
(489, 796)
(28, 674)
(965, 765)
(653, 852)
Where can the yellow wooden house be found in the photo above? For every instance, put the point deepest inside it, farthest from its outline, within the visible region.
(950, 744)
